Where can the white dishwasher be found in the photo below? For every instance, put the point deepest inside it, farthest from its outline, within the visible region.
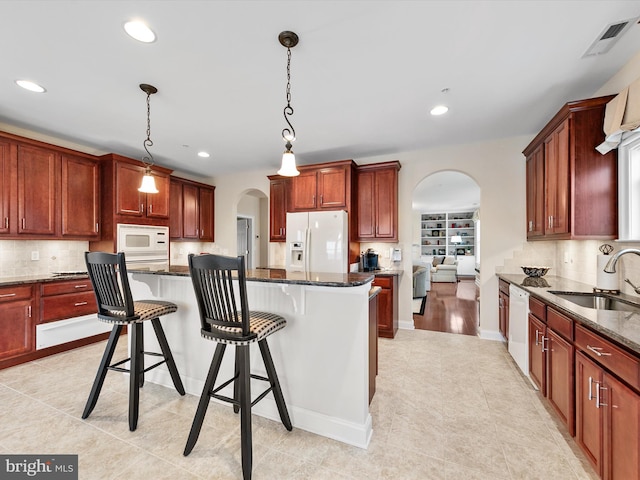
(519, 327)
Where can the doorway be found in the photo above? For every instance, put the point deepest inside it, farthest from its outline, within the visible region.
(245, 235)
(446, 231)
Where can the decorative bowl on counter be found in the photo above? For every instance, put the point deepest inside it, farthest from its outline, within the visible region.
(535, 271)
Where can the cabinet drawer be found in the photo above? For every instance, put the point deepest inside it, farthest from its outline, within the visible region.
(619, 362)
(384, 282)
(70, 305)
(504, 287)
(66, 286)
(17, 292)
(560, 323)
(537, 308)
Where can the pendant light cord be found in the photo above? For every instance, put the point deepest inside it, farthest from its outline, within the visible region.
(288, 134)
(148, 160)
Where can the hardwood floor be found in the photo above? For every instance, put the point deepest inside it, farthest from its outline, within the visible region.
(451, 308)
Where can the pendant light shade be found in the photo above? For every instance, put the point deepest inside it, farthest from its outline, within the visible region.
(288, 169)
(148, 183)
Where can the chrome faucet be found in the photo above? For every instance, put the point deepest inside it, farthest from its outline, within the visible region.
(610, 267)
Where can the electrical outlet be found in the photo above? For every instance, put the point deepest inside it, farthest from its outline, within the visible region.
(35, 255)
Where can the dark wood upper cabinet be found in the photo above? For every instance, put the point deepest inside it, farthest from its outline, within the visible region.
(80, 197)
(131, 202)
(37, 180)
(5, 185)
(575, 194)
(377, 208)
(325, 186)
(332, 187)
(303, 191)
(192, 210)
(277, 209)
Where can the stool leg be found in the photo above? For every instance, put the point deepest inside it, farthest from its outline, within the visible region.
(236, 383)
(140, 334)
(275, 384)
(166, 351)
(102, 370)
(245, 410)
(204, 398)
(134, 373)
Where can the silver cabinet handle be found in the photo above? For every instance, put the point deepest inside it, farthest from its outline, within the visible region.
(80, 286)
(79, 304)
(97, 227)
(590, 396)
(6, 222)
(530, 225)
(7, 295)
(29, 311)
(537, 341)
(202, 232)
(598, 352)
(544, 349)
(150, 208)
(321, 200)
(24, 223)
(142, 208)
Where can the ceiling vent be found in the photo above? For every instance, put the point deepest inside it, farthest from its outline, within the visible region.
(608, 37)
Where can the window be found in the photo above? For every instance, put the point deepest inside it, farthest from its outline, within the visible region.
(629, 188)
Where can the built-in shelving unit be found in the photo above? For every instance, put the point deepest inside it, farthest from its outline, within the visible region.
(437, 229)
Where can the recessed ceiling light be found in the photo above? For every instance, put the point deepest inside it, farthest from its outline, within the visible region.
(439, 110)
(203, 154)
(31, 86)
(139, 30)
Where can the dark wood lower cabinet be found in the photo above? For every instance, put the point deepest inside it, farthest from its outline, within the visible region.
(387, 305)
(537, 354)
(16, 328)
(607, 421)
(560, 378)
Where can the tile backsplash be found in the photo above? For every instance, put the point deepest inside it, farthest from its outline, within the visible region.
(179, 251)
(38, 257)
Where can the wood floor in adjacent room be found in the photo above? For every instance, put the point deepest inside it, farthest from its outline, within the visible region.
(451, 308)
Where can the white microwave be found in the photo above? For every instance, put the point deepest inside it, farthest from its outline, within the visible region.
(142, 243)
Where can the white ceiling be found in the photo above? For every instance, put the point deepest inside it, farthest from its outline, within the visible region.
(364, 75)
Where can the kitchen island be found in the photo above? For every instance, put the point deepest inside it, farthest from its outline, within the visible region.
(321, 356)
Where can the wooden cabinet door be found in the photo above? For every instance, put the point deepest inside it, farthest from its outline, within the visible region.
(80, 197)
(190, 214)
(386, 203)
(366, 207)
(332, 187)
(158, 203)
(385, 312)
(16, 328)
(175, 209)
(557, 180)
(5, 185)
(206, 219)
(537, 357)
(535, 193)
(502, 315)
(37, 181)
(589, 428)
(278, 210)
(303, 191)
(560, 378)
(129, 201)
(621, 410)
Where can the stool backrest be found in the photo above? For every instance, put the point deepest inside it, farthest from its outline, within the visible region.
(221, 313)
(108, 274)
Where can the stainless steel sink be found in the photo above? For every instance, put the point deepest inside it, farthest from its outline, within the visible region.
(598, 301)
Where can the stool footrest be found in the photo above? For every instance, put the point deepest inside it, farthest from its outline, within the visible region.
(214, 392)
(117, 368)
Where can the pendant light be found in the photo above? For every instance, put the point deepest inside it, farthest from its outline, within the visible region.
(148, 183)
(288, 169)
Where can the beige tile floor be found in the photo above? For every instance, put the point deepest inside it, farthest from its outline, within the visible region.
(447, 407)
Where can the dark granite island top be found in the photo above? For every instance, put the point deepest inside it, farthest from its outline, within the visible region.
(621, 327)
(276, 275)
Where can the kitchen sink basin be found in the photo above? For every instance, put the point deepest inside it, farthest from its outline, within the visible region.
(598, 301)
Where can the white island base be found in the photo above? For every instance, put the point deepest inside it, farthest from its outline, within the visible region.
(321, 356)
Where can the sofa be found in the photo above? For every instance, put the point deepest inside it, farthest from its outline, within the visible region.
(421, 280)
(444, 269)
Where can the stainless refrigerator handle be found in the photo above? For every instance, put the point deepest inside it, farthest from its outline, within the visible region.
(307, 249)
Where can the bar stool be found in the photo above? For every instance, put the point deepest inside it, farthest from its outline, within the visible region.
(229, 322)
(108, 274)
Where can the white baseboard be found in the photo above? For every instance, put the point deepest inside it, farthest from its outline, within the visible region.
(491, 335)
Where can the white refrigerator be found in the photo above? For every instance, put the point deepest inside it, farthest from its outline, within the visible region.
(317, 242)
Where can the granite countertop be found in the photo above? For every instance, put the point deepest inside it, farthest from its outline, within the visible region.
(40, 278)
(621, 327)
(279, 275)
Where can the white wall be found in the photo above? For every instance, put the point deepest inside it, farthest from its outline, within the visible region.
(498, 167)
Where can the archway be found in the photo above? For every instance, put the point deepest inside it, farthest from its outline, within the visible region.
(446, 241)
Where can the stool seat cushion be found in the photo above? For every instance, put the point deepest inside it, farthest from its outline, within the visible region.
(143, 310)
(261, 325)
